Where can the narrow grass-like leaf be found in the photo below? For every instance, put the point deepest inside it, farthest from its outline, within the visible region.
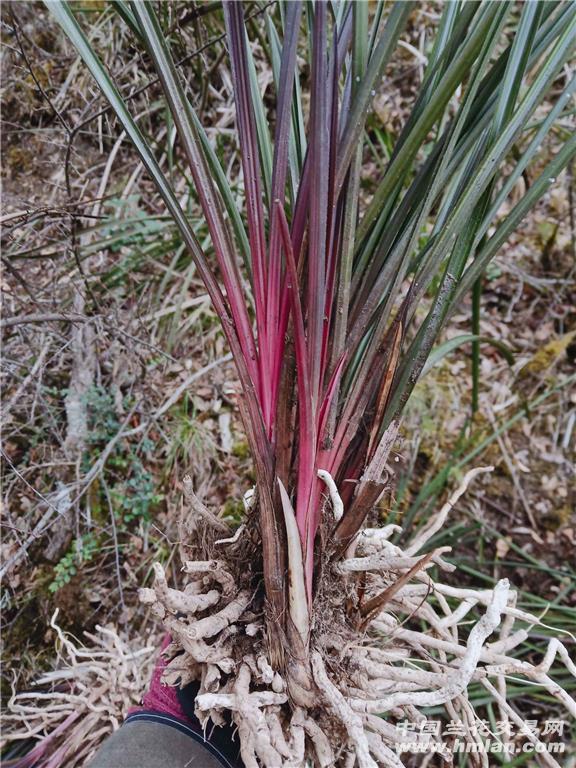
(319, 153)
(272, 537)
(217, 224)
(444, 349)
(234, 16)
(349, 309)
(279, 174)
(356, 118)
(560, 161)
(350, 204)
(409, 147)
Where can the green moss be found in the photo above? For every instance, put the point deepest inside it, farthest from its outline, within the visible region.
(233, 510)
(241, 450)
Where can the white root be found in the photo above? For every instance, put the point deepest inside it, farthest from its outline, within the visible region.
(556, 647)
(199, 509)
(232, 539)
(320, 742)
(174, 600)
(337, 503)
(454, 618)
(277, 734)
(410, 656)
(256, 738)
(378, 535)
(197, 649)
(372, 540)
(249, 499)
(437, 521)
(547, 759)
(214, 569)
(387, 732)
(350, 720)
(378, 680)
(103, 679)
(213, 625)
(297, 742)
(382, 753)
(266, 672)
(460, 678)
(386, 562)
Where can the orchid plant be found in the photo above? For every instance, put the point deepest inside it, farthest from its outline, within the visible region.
(331, 297)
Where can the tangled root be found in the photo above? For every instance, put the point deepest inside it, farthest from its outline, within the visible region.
(90, 693)
(386, 641)
(372, 665)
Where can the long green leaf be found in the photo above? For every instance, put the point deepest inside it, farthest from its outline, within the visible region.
(217, 224)
(359, 109)
(63, 15)
(443, 350)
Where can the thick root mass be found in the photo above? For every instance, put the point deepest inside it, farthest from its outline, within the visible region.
(370, 668)
(386, 641)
